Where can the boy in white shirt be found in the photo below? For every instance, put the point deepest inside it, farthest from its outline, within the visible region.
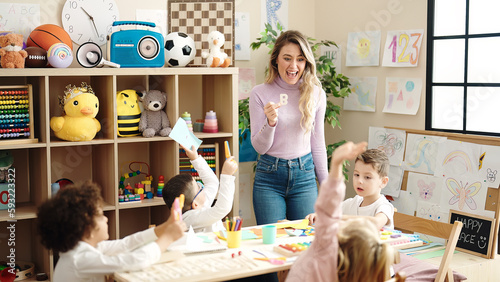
(198, 211)
(370, 176)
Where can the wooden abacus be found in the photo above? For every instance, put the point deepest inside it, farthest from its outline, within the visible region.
(210, 152)
(16, 114)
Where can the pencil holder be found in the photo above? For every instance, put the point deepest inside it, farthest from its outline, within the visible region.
(233, 239)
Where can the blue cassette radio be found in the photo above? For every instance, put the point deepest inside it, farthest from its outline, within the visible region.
(136, 45)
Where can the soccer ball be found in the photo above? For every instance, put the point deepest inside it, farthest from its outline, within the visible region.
(179, 49)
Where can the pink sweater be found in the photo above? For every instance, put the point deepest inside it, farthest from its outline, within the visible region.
(287, 140)
(319, 262)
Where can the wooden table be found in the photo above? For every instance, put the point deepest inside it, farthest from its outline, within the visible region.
(215, 266)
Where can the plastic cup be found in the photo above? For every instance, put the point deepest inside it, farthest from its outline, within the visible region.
(269, 234)
(233, 239)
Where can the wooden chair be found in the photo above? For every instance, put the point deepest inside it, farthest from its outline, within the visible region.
(450, 232)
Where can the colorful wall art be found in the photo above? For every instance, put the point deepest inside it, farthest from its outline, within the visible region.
(363, 94)
(363, 48)
(402, 48)
(402, 95)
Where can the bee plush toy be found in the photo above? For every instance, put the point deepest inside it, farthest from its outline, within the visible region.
(129, 112)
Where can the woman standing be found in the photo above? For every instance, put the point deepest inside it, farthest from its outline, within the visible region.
(287, 122)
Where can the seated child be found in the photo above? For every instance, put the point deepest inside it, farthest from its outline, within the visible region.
(73, 224)
(370, 175)
(198, 198)
(342, 250)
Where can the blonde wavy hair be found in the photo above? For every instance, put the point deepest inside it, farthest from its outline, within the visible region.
(361, 256)
(309, 78)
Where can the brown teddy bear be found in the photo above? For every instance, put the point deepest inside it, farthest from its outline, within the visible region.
(154, 120)
(12, 52)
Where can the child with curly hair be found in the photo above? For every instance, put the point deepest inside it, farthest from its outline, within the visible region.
(343, 250)
(73, 224)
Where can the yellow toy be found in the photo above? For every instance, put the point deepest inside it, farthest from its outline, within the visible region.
(78, 123)
(128, 112)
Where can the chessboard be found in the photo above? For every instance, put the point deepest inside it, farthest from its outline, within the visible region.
(197, 18)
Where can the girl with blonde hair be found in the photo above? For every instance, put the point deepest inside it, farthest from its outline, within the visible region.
(343, 250)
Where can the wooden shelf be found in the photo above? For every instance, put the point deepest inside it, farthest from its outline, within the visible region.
(105, 158)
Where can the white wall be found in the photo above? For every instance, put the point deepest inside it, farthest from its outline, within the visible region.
(321, 19)
(335, 19)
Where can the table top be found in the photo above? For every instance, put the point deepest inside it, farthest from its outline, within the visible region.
(232, 263)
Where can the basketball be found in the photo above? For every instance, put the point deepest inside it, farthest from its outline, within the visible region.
(47, 35)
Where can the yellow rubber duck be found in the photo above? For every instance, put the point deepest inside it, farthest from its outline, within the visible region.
(80, 106)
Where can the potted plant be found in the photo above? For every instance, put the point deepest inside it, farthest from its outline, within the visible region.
(334, 84)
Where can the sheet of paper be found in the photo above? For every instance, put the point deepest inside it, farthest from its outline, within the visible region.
(183, 135)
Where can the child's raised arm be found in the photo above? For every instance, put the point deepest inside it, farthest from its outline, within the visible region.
(169, 231)
(230, 166)
(346, 151)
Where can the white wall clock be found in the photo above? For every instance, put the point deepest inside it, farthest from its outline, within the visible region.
(89, 20)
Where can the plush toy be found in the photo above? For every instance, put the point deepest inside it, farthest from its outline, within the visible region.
(78, 123)
(215, 57)
(12, 52)
(128, 112)
(154, 120)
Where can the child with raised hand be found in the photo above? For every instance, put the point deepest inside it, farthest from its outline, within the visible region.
(342, 250)
(370, 176)
(198, 211)
(73, 224)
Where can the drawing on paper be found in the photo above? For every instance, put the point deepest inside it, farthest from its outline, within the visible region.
(402, 95)
(457, 162)
(430, 212)
(426, 190)
(389, 143)
(363, 48)
(491, 175)
(421, 157)
(463, 194)
(363, 94)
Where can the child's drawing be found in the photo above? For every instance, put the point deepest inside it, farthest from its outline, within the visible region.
(490, 165)
(393, 187)
(424, 187)
(457, 158)
(391, 141)
(363, 48)
(274, 12)
(363, 94)
(402, 95)
(463, 193)
(421, 152)
(431, 211)
(491, 175)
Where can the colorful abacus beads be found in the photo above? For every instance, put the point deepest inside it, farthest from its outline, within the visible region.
(14, 113)
(210, 125)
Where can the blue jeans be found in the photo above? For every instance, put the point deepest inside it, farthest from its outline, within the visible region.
(284, 189)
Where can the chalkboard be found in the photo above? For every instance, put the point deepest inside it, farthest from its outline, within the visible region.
(477, 232)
